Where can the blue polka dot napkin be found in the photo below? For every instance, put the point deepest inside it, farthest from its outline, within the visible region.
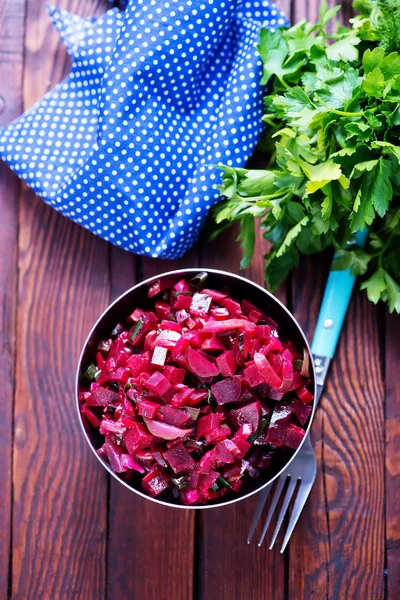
(155, 95)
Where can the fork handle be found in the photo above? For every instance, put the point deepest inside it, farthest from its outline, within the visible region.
(333, 310)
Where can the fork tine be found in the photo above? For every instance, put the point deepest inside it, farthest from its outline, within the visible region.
(257, 514)
(301, 499)
(277, 493)
(288, 497)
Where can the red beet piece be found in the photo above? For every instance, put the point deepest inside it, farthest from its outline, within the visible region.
(254, 316)
(168, 339)
(227, 390)
(114, 455)
(180, 347)
(200, 304)
(212, 344)
(158, 384)
(302, 411)
(180, 398)
(247, 414)
(136, 438)
(208, 423)
(136, 364)
(252, 375)
(208, 481)
(217, 434)
(227, 364)
(163, 309)
(155, 486)
(228, 325)
(278, 425)
(159, 286)
(182, 302)
(294, 436)
(234, 308)
(197, 396)
(174, 375)
(199, 365)
(219, 313)
(223, 453)
(148, 409)
(304, 395)
(179, 459)
(159, 356)
(102, 397)
(266, 370)
(89, 414)
(216, 296)
(172, 416)
(190, 497)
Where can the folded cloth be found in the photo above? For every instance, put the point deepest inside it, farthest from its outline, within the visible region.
(156, 94)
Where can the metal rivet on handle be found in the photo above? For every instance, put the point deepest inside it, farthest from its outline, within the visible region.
(328, 323)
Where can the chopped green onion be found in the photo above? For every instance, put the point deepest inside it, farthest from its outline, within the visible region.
(136, 331)
(180, 482)
(194, 412)
(263, 423)
(199, 279)
(91, 373)
(251, 439)
(297, 364)
(223, 483)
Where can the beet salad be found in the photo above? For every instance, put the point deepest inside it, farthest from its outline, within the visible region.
(195, 396)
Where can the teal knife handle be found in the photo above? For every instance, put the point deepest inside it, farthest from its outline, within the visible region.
(334, 307)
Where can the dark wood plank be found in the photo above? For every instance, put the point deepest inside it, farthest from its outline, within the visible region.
(233, 569)
(60, 492)
(151, 548)
(337, 548)
(12, 15)
(392, 358)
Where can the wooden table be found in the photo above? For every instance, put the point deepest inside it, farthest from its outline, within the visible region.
(67, 529)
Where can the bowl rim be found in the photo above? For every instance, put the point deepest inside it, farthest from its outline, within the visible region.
(146, 282)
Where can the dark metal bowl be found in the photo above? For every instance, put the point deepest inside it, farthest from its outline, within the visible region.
(240, 288)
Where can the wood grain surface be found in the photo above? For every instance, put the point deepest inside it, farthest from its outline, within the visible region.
(70, 531)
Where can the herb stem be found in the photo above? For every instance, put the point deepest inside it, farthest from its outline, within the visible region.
(342, 113)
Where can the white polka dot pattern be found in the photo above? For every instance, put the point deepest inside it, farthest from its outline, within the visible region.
(156, 94)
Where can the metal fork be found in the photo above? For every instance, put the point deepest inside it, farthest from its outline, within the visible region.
(303, 467)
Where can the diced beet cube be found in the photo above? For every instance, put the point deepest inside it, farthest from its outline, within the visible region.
(158, 384)
(216, 296)
(217, 434)
(236, 485)
(294, 436)
(174, 375)
(276, 361)
(155, 486)
(163, 309)
(234, 308)
(194, 479)
(182, 302)
(227, 390)
(179, 459)
(114, 454)
(102, 397)
(190, 497)
(173, 416)
(200, 366)
(243, 432)
(278, 425)
(247, 414)
(170, 325)
(148, 409)
(180, 347)
(304, 395)
(206, 462)
(136, 364)
(267, 371)
(136, 438)
(197, 396)
(243, 447)
(150, 340)
(154, 469)
(168, 339)
(121, 374)
(208, 481)
(302, 411)
(182, 286)
(254, 315)
(90, 415)
(227, 364)
(222, 454)
(180, 398)
(228, 325)
(219, 314)
(208, 423)
(159, 356)
(200, 304)
(159, 286)
(252, 375)
(212, 344)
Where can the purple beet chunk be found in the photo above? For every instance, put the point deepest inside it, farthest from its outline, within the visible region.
(278, 425)
(227, 390)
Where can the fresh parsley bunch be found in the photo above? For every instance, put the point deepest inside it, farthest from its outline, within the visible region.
(334, 142)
